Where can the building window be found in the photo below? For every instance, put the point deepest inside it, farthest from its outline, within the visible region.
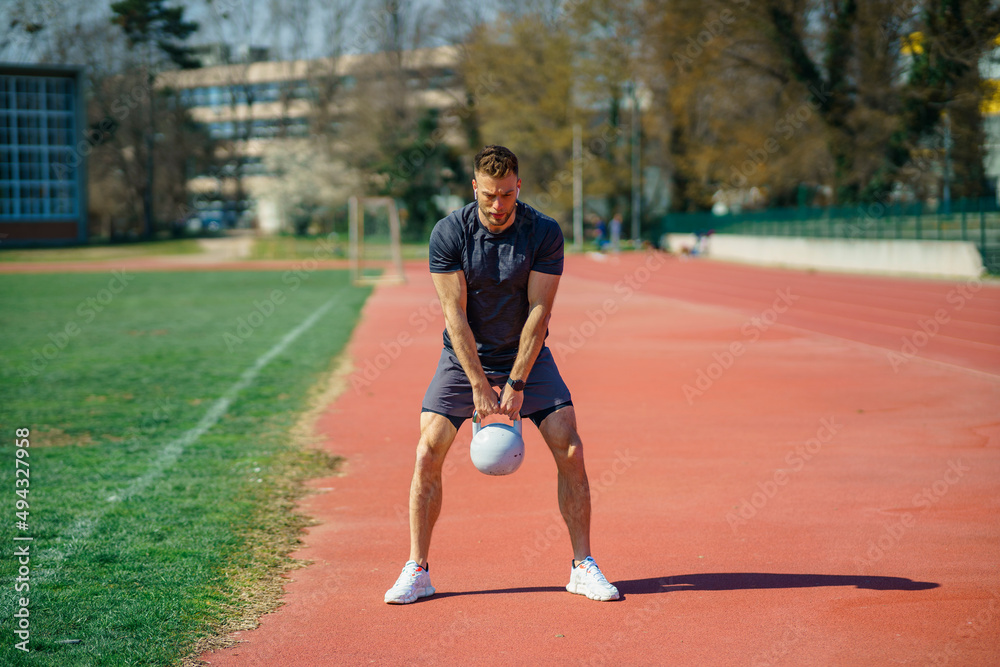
(38, 164)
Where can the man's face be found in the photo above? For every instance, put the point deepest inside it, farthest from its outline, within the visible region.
(497, 199)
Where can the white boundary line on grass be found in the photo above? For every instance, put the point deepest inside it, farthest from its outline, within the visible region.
(172, 451)
(50, 559)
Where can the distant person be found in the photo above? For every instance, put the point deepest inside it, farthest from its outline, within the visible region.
(496, 265)
(602, 233)
(616, 232)
(701, 241)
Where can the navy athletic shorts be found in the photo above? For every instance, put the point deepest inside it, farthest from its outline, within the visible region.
(450, 393)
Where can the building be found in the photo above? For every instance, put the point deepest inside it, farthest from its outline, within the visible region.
(43, 155)
(254, 108)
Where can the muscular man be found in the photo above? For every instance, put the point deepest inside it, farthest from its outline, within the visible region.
(496, 265)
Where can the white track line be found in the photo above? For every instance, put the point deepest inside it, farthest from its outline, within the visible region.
(50, 559)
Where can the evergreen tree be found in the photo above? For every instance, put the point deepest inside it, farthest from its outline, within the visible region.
(159, 31)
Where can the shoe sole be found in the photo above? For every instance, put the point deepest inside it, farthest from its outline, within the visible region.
(581, 589)
(418, 593)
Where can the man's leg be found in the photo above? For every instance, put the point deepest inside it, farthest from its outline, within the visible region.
(436, 435)
(559, 431)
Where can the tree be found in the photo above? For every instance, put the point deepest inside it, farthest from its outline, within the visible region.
(160, 32)
(308, 180)
(608, 75)
(32, 29)
(851, 70)
(529, 60)
(396, 125)
(117, 111)
(944, 90)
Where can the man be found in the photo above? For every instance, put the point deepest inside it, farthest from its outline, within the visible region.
(496, 265)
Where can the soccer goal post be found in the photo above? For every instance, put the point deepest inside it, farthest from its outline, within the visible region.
(375, 249)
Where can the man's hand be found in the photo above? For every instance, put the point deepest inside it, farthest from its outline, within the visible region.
(510, 403)
(484, 399)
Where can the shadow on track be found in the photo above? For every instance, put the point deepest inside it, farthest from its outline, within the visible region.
(733, 581)
(526, 589)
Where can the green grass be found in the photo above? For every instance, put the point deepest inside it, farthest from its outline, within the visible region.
(304, 247)
(191, 549)
(298, 247)
(101, 252)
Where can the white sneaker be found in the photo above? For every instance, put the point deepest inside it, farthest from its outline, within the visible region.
(413, 583)
(586, 579)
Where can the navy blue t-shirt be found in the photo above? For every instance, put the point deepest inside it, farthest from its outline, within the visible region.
(496, 268)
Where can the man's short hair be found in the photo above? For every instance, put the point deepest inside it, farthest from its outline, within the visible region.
(495, 161)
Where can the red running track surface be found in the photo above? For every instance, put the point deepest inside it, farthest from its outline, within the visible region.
(771, 485)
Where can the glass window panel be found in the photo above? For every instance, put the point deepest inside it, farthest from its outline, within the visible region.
(65, 134)
(62, 172)
(62, 191)
(57, 135)
(29, 98)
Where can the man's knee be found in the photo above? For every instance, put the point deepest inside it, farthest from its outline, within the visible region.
(559, 428)
(560, 434)
(436, 435)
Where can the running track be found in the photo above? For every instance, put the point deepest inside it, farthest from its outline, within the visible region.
(788, 468)
(826, 495)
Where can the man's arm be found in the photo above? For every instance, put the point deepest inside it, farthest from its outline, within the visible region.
(453, 294)
(541, 295)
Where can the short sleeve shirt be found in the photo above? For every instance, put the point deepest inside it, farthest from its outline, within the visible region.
(496, 268)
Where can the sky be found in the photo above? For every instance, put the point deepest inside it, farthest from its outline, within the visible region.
(235, 22)
(325, 27)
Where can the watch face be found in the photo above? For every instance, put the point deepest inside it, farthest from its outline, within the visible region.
(516, 385)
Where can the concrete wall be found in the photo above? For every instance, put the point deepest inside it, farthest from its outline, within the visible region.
(909, 257)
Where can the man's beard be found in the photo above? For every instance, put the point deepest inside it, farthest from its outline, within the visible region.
(491, 222)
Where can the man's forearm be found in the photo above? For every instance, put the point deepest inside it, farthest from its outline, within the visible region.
(532, 339)
(464, 344)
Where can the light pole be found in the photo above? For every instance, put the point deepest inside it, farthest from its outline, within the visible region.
(577, 187)
(636, 168)
(946, 194)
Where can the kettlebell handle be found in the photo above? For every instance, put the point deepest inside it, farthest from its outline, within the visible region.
(476, 425)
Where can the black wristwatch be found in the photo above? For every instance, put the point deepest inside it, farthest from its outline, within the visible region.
(516, 385)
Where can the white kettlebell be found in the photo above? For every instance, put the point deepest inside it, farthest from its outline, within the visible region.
(496, 449)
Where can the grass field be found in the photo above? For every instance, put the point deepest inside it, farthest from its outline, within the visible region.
(161, 469)
(101, 252)
(304, 247)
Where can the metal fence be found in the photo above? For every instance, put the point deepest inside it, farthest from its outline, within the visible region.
(975, 220)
